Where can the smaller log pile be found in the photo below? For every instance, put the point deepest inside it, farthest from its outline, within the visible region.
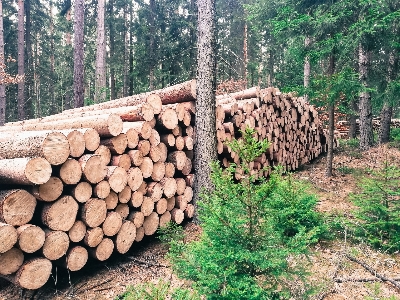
(94, 180)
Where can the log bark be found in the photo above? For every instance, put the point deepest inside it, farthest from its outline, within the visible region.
(55, 245)
(8, 237)
(125, 237)
(112, 223)
(52, 146)
(48, 191)
(77, 231)
(94, 212)
(30, 238)
(76, 258)
(24, 171)
(16, 207)
(61, 214)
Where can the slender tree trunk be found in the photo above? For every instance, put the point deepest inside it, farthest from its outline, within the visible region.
(126, 52)
(100, 94)
(68, 43)
(28, 60)
(205, 145)
(152, 48)
(353, 119)
(2, 63)
(113, 90)
(270, 79)
(245, 53)
(21, 60)
(331, 126)
(130, 49)
(307, 66)
(78, 53)
(53, 105)
(366, 136)
(387, 110)
(192, 30)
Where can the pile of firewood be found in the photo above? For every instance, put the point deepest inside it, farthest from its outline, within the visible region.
(93, 180)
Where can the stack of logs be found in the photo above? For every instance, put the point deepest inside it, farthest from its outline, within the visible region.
(93, 180)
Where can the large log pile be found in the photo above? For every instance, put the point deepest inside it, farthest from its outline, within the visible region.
(91, 181)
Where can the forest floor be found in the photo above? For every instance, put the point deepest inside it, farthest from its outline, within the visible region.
(331, 270)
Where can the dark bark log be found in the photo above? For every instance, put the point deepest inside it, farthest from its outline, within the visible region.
(386, 117)
(21, 60)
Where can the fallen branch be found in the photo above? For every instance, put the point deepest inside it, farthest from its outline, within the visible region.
(372, 271)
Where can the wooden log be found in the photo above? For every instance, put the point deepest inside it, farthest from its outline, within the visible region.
(178, 158)
(106, 125)
(136, 157)
(188, 142)
(144, 147)
(169, 170)
(169, 186)
(180, 186)
(135, 178)
(147, 206)
(94, 212)
(55, 244)
(117, 178)
(154, 191)
(123, 161)
(179, 143)
(82, 192)
(123, 210)
(8, 237)
(137, 218)
(151, 223)
(168, 139)
(24, 171)
(103, 250)
(93, 168)
(116, 144)
(139, 234)
(132, 137)
(154, 153)
(165, 218)
(189, 211)
(143, 188)
(163, 152)
(52, 146)
(92, 138)
(77, 231)
(33, 273)
(168, 118)
(125, 237)
(189, 179)
(76, 141)
(188, 167)
(154, 138)
(102, 189)
(11, 261)
(161, 206)
(111, 200)
(30, 238)
(112, 223)
(177, 215)
(146, 167)
(143, 129)
(170, 203)
(183, 92)
(125, 195)
(93, 236)
(76, 258)
(16, 207)
(60, 214)
(187, 118)
(104, 153)
(180, 202)
(177, 131)
(70, 172)
(158, 171)
(136, 199)
(48, 191)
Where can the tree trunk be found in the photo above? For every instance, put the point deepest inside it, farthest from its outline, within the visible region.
(79, 53)
(21, 60)
(245, 52)
(353, 119)
(16, 207)
(52, 102)
(100, 94)
(151, 46)
(113, 90)
(307, 66)
(126, 53)
(366, 136)
(24, 171)
(206, 141)
(2, 61)
(61, 214)
(130, 49)
(331, 128)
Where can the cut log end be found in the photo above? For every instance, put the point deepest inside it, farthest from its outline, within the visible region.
(33, 274)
